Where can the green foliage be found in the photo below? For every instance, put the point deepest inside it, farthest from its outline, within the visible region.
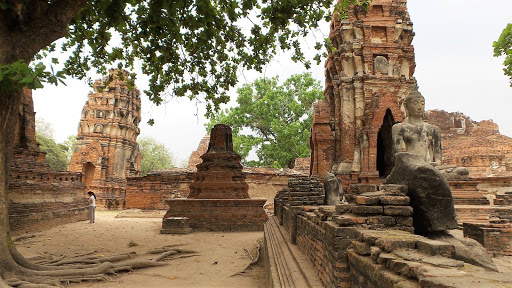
(155, 156)
(192, 48)
(55, 153)
(19, 75)
(273, 119)
(503, 47)
(69, 146)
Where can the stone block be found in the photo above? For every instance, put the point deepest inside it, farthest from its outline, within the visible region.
(394, 200)
(434, 247)
(175, 225)
(363, 200)
(394, 189)
(366, 210)
(398, 210)
(383, 220)
(349, 221)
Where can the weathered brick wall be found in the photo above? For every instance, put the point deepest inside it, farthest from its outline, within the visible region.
(495, 236)
(503, 199)
(38, 196)
(477, 146)
(36, 203)
(150, 191)
(325, 250)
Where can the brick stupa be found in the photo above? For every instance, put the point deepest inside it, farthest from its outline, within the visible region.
(219, 198)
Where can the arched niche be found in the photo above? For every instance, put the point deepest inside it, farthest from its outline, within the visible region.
(385, 157)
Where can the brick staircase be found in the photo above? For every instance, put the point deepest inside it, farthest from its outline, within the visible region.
(286, 266)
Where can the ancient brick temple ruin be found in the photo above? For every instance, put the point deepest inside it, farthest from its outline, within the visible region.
(478, 146)
(368, 241)
(219, 198)
(39, 196)
(106, 149)
(367, 78)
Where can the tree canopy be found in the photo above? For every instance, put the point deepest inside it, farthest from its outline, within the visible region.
(155, 156)
(272, 119)
(503, 47)
(192, 48)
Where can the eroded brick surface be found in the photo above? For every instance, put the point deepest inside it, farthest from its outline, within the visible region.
(477, 146)
(39, 196)
(367, 77)
(106, 151)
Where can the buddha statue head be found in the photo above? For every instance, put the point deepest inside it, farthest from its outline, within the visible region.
(415, 105)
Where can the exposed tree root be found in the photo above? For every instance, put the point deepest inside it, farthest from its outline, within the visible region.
(23, 237)
(163, 249)
(253, 261)
(80, 269)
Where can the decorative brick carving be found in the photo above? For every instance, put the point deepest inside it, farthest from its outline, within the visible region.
(367, 77)
(106, 151)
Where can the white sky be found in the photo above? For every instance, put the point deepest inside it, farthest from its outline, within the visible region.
(455, 70)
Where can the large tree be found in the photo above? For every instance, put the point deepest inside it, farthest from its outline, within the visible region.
(155, 156)
(272, 120)
(503, 47)
(193, 47)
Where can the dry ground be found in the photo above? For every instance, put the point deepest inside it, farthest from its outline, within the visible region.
(219, 255)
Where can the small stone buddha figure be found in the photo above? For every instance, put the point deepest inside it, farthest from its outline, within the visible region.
(415, 136)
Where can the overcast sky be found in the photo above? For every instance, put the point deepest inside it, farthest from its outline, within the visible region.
(455, 70)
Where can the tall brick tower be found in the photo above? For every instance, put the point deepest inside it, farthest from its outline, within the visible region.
(368, 75)
(106, 151)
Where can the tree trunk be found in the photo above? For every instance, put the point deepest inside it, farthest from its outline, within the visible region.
(25, 29)
(9, 102)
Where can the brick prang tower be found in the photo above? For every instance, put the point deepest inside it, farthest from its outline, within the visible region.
(368, 74)
(106, 149)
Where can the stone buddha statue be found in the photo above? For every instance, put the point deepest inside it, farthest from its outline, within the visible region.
(417, 149)
(423, 139)
(415, 136)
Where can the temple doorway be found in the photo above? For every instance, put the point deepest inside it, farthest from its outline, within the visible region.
(385, 157)
(88, 171)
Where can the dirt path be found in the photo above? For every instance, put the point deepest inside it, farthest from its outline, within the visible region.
(219, 256)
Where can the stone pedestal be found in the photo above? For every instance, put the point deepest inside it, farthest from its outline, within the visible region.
(220, 214)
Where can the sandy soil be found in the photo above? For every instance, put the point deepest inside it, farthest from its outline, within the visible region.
(219, 255)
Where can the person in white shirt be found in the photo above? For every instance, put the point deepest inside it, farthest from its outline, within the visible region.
(92, 206)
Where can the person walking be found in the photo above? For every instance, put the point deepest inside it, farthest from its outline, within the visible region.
(92, 206)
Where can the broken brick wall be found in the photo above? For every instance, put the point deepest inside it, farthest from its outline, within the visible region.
(40, 197)
(478, 146)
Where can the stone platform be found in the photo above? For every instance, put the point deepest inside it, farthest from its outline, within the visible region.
(220, 214)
